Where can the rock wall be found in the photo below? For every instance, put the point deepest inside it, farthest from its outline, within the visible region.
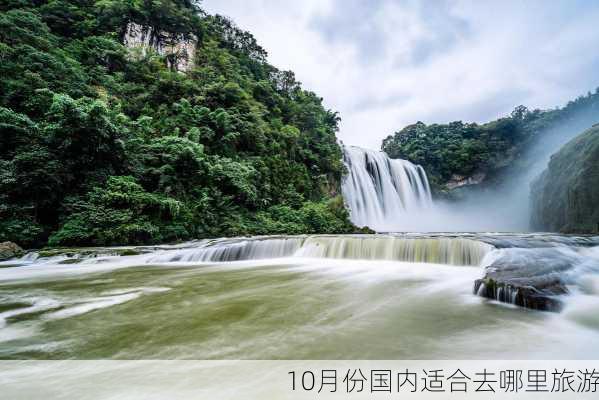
(565, 197)
(178, 50)
(457, 181)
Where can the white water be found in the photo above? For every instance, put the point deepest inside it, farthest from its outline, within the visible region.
(436, 250)
(306, 305)
(381, 192)
(449, 251)
(457, 251)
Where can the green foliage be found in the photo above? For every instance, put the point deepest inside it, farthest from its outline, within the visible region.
(564, 197)
(312, 217)
(122, 212)
(102, 144)
(459, 148)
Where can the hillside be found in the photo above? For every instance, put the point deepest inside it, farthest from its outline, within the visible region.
(151, 121)
(460, 154)
(565, 198)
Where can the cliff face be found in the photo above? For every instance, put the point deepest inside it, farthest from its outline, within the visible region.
(565, 197)
(179, 51)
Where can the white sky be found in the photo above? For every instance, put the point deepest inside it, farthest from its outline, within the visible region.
(384, 64)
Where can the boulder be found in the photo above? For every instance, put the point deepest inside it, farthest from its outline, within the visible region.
(536, 295)
(531, 278)
(10, 250)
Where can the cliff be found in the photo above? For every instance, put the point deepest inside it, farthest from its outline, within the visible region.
(178, 49)
(565, 197)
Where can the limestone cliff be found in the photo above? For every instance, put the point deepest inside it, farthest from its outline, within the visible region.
(178, 50)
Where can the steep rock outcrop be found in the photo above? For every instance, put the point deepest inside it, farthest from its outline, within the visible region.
(565, 197)
(178, 49)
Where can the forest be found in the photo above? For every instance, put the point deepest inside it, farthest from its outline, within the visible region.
(103, 145)
(462, 149)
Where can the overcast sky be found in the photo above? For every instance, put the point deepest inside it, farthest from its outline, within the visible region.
(384, 64)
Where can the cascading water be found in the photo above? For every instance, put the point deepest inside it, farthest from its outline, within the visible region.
(224, 250)
(432, 250)
(380, 191)
(438, 250)
(268, 296)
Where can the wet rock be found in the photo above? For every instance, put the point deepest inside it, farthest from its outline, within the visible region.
(534, 295)
(130, 252)
(92, 252)
(46, 253)
(10, 250)
(70, 261)
(531, 278)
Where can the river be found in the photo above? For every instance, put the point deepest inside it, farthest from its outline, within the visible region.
(403, 296)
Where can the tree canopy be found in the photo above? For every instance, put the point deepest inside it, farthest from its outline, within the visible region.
(101, 146)
(459, 148)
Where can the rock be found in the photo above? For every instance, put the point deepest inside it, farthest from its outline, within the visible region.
(10, 250)
(178, 49)
(531, 278)
(565, 197)
(130, 252)
(541, 296)
(457, 181)
(70, 261)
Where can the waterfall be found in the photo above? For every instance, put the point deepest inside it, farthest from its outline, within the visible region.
(438, 250)
(380, 191)
(233, 250)
(435, 250)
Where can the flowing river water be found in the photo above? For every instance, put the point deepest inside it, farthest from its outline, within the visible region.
(404, 296)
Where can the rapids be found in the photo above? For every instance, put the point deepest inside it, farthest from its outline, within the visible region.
(406, 296)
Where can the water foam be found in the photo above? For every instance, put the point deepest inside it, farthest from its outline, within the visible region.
(380, 191)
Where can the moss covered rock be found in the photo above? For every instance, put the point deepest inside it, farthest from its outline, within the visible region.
(10, 250)
(565, 197)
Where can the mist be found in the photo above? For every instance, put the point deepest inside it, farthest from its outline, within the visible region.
(384, 195)
(506, 206)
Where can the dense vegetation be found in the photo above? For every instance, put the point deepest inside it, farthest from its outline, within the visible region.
(463, 149)
(566, 195)
(102, 146)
